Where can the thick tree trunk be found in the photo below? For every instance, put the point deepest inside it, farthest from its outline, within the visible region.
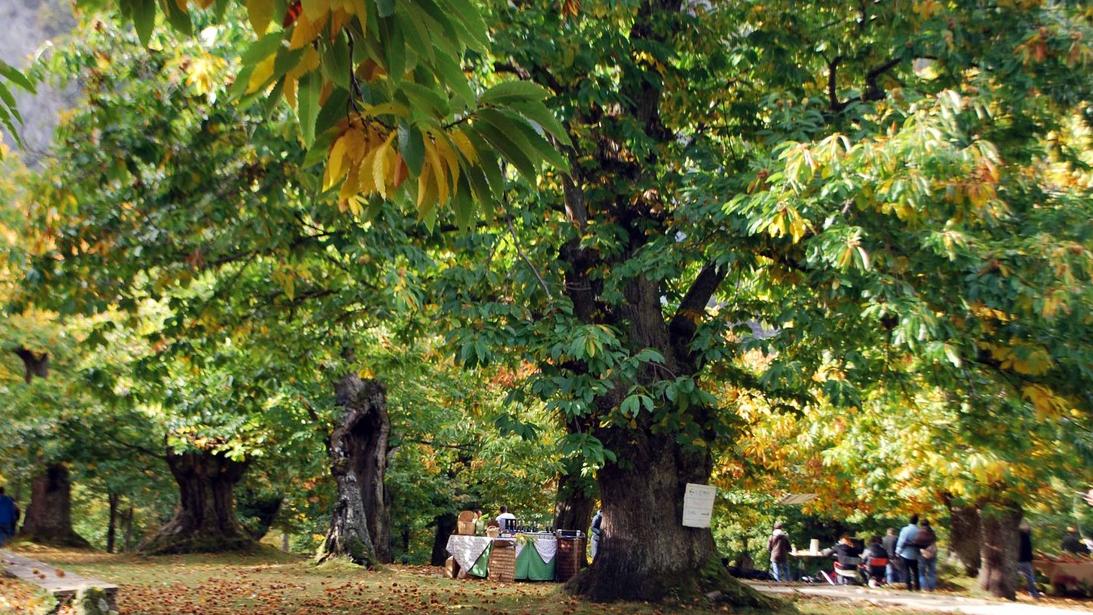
(49, 514)
(964, 537)
(359, 525)
(204, 519)
(112, 522)
(445, 527)
(645, 552)
(998, 572)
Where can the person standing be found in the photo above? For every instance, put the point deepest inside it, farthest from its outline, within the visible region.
(506, 520)
(908, 552)
(1024, 558)
(597, 531)
(927, 556)
(893, 571)
(9, 516)
(1072, 542)
(778, 546)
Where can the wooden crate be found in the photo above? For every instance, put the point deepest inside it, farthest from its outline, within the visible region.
(503, 561)
(570, 557)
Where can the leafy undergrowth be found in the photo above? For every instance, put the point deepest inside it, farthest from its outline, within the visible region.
(269, 582)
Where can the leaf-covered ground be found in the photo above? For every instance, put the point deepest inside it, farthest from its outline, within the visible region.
(271, 583)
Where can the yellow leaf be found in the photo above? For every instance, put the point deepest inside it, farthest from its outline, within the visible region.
(449, 157)
(464, 144)
(260, 13)
(438, 171)
(262, 73)
(380, 163)
(305, 31)
(315, 10)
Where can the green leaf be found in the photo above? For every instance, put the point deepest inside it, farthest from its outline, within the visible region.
(333, 111)
(16, 77)
(262, 48)
(472, 20)
(451, 74)
(513, 153)
(513, 91)
(307, 108)
(144, 19)
(542, 147)
(335, 64)
(538, 113)
(385, 8)
(411, 146)
(179, 19)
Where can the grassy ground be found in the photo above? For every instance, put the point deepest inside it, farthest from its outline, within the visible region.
(270, 583)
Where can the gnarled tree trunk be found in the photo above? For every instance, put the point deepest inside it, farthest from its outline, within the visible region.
(359, 525)
(49, 515)
(998, 574)
(964, 537)
(204, 519)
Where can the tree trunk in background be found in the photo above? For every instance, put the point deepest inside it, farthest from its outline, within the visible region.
(445, 527)
(129, 529)
(112, 523)
(964, 537)
(998, 572)
(204, 520)
(359, 525)
(49, 514)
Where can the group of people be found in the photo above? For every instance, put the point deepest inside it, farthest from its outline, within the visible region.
(907, 556)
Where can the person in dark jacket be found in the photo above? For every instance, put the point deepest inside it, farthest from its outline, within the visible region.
(779, 548)
(1072, 542)
(893, 572)
(927, 556)
(9, 516)
(1024, 558)
(875, 552)
(847, 555)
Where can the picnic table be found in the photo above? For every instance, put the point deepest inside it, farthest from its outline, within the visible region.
(812, 561)
(535, 554)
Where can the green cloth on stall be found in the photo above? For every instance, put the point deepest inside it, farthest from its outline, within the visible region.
(531, 567)
(481, 566)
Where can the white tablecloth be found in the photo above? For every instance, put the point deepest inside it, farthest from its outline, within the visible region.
(467, 549)
(545, 544)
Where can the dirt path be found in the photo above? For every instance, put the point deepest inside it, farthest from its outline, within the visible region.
(925, 602)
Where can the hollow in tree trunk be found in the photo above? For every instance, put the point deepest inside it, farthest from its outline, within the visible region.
(49, 513)
(359, 525)
(445, 527)
(574, 506)
(204, 520)
(645, 552)
(998, 571)
(964, 537)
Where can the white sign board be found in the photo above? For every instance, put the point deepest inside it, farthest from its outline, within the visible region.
(698, 505)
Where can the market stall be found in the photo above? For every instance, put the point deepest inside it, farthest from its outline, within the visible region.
(535, 554)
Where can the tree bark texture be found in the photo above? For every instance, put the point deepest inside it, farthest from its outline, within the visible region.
(49, 513)
(964, 537)
(359, 525)
(204, 520)
(998, 571)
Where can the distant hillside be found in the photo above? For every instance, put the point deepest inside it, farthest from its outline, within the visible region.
(29, 26)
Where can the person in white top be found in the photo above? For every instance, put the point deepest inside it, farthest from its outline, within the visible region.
(504, 516)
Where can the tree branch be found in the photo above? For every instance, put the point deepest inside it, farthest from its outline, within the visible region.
(684, 323)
